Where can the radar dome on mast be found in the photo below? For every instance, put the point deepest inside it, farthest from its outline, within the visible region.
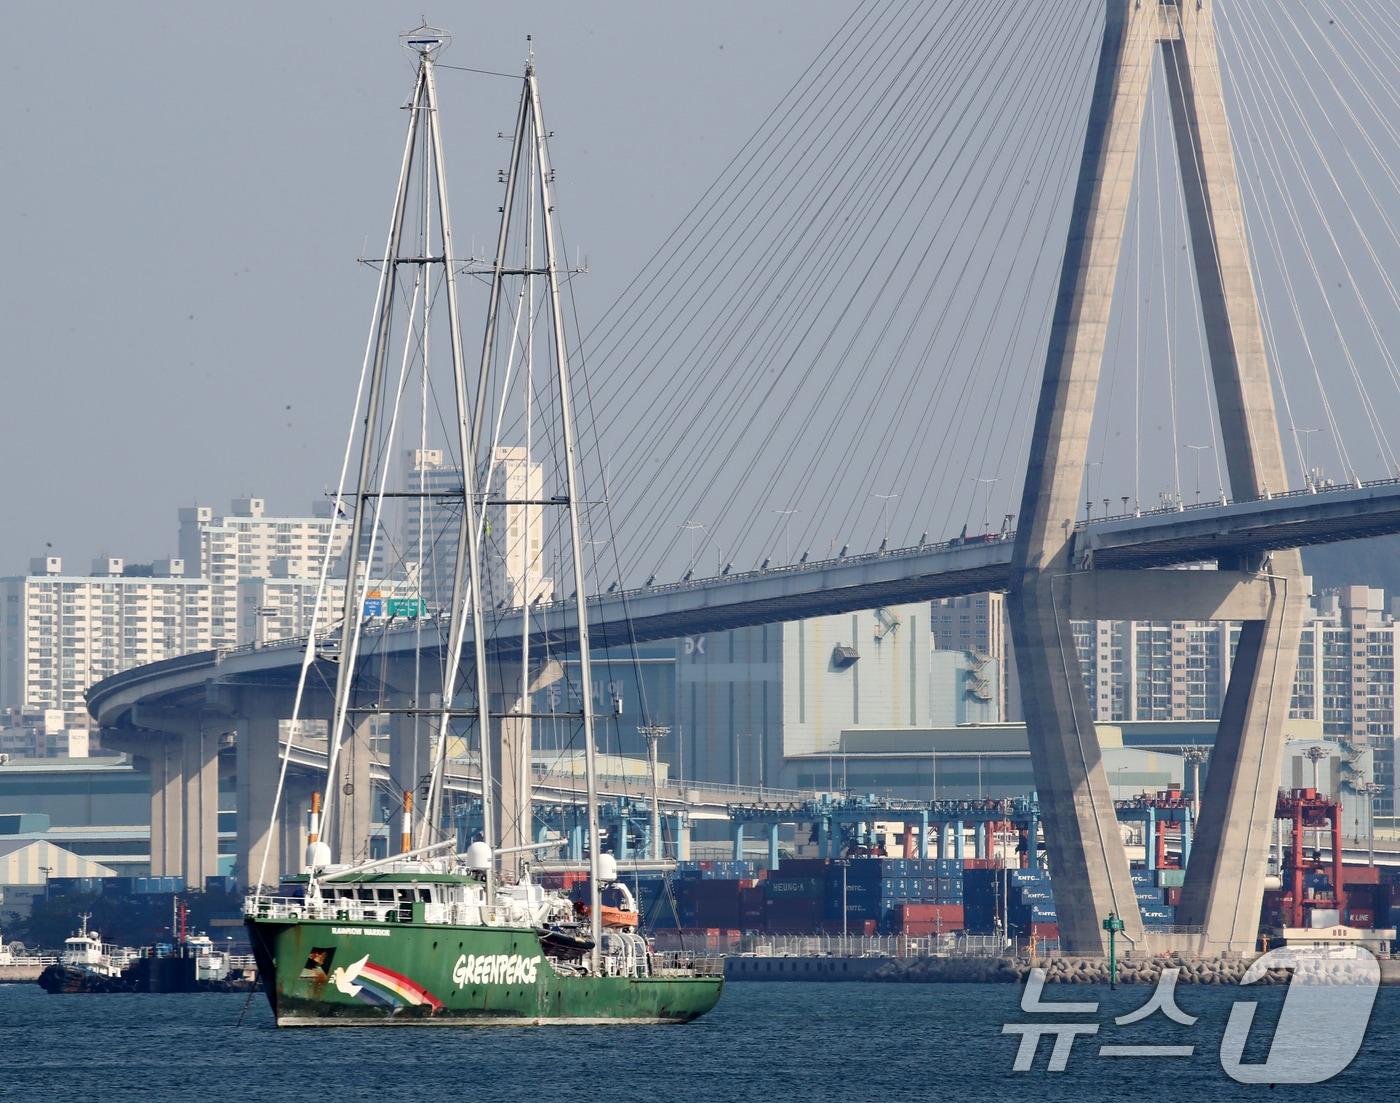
(478, 857)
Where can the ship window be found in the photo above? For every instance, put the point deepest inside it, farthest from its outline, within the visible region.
(424, 895)
(386, 896)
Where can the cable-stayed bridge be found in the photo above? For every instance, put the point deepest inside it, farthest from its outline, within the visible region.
(1186, 184)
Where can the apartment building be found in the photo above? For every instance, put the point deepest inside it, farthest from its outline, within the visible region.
(512, 561)
(63, 632)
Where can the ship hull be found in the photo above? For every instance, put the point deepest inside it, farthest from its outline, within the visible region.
(66, 979)
(324, 973)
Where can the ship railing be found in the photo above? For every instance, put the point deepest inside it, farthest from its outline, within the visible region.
(296, 907)
(345, 911)
(686, 963)
(29, 961)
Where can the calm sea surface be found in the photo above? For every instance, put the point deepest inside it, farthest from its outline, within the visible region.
(765, 1042)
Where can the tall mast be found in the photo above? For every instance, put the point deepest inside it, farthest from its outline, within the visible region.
(350, 612)
(466, 579)
(572, 490)
(525, 773)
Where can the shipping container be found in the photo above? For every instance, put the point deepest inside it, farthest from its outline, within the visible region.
(783, 885)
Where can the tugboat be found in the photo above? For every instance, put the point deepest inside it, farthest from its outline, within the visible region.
(87, 964)
(436, 935)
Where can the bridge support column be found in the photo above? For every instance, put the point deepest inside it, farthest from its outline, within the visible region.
(923, 835)
(958, 840)
(163, 759)
(824, 837)
(199, 751)
(409, 763)
(1224, 885)
(512, 753)
(1185, 836)
(738, 842)
(294, 820)
(258, 765)
(1224, 892)
(576, 843)
(1149, 838)
(772, 846)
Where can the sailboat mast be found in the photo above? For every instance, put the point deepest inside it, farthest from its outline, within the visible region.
(525, 772)
(350, 613)
(466, 591)
(573, 492)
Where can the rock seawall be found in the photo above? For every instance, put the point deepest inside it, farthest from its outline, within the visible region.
(1077, 970)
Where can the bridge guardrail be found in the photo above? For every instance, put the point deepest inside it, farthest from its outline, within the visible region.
(216, 656)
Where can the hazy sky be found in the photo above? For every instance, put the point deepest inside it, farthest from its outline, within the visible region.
(187, 189)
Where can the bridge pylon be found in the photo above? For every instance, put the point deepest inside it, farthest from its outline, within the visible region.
(1050, 581)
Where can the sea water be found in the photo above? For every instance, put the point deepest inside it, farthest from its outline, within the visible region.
(765, 1042)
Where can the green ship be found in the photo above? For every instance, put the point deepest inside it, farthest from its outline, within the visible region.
(446, 933)
(387, 948)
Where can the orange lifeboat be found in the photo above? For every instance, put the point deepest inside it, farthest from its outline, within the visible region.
(617, 908)
(624, 919)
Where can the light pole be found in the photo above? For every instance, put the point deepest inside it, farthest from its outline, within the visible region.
(885, 510)
(1195, 756)
(1372, 789)
(1198, 449)
(786, 515)
(263, 614)
(653, 734)
(590, 543)
(691, 526)
(844, 863)
(759, 745)
(1306, 434)
(1315, 754)
(987, 502)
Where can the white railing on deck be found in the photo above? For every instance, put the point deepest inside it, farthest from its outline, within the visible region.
(686, 962)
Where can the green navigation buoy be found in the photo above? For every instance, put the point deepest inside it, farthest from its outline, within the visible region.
(1112, 925)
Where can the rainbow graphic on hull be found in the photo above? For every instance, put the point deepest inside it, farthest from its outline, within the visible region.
(374, 984)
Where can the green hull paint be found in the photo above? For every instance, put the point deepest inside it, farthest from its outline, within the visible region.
(513, 983)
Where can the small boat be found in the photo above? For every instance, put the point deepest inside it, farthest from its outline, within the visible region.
(87, 964)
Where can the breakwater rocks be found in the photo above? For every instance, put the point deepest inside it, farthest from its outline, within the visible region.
(1068, 970)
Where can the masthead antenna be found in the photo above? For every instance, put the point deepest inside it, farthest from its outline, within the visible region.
(425, 40)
